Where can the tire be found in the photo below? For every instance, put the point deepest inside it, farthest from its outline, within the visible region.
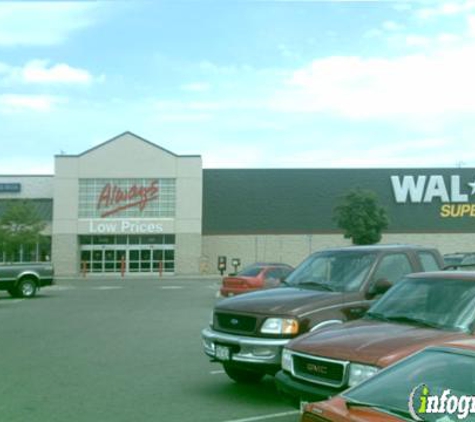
(27, 287)
(242, 376)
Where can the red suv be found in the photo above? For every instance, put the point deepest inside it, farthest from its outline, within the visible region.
(254, 277)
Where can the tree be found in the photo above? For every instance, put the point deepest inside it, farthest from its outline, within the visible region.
(20, 226)
(361, 217)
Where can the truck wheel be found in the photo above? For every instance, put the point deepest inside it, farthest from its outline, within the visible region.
(27, 287)
(242, 376)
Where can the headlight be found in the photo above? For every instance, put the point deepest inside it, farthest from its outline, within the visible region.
(359, 373)
(280, 326)
(211, 319)
(287, 362)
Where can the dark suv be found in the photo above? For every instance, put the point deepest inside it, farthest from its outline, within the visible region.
(248, 332)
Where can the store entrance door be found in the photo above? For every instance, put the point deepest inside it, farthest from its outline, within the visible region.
(135, 256)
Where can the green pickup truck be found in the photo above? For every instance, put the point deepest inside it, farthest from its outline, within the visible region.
(24, 280)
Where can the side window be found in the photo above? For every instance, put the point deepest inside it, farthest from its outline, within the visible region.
(284, 272)
(273, 273)
(393, 267)
(428, 261)
(272, 277)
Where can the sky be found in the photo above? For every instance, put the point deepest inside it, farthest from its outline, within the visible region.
(244, 84)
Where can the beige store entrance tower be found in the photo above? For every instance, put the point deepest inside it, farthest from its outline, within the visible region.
(130, 205)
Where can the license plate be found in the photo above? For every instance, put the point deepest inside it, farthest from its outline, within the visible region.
(222, 352)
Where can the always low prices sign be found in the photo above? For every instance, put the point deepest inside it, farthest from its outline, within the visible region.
(114, 199)
(124, 226)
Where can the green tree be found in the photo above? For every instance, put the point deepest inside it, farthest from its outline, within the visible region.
(360, 217)
(20, 226)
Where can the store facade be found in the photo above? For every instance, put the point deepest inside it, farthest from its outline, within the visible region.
(129, 206)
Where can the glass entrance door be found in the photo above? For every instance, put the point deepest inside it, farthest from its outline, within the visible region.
(133, 254)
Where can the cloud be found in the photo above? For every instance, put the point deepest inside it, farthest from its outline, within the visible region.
(25, 165)
(471, 25)
(367, 88)
(225, 155)
(196, 87)
(417, 41)
(42, 23)
(40, 72)
(14, 103)
(437, 151)
(392, 26)
(451, 8)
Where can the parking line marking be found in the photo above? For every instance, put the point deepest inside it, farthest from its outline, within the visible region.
(107, 287)
(171, 287)
(60, 288)
(261, 418)
(217, 372)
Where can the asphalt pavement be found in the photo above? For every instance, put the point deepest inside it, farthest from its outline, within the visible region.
(121, 350)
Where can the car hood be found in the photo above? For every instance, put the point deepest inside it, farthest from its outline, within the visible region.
(371, 342)
(280, 301)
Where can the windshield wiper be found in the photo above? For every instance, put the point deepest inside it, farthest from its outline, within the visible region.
(317, 284)
(387, 409)
(418, 321)
(376, 315)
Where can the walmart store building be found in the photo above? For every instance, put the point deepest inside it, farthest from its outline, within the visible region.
(131, 205)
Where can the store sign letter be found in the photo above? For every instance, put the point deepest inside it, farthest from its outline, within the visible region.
(114, 199)
(424, 189)
(113, 227)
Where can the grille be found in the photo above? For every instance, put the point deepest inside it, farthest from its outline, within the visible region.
(236, 323)
(319, 370)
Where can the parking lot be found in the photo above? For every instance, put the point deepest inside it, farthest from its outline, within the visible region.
(121, 350)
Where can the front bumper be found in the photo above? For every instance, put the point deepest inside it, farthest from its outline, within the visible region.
(248, 350)
(303, 391)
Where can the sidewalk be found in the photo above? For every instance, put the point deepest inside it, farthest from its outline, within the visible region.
(134, 276)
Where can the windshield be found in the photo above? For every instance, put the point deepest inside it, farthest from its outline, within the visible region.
(438, 370)
(250, 272)
(443, 303)
(337, 270)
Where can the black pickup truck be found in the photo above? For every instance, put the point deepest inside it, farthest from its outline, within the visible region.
(24, 280)
(248, 332)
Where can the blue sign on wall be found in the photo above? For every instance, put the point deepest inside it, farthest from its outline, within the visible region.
(10, 187)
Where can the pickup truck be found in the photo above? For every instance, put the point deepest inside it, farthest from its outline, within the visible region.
(425, 309)
(24, 280)
(248, 332)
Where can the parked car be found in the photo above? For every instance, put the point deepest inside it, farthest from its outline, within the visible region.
(255, 277)
(247, 332)
(393, 394)
(452, 259)
(422, 310)
(24, 280)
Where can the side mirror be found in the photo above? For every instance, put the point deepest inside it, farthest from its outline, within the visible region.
(380, 287)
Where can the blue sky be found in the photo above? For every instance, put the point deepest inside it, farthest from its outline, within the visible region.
(246, 84)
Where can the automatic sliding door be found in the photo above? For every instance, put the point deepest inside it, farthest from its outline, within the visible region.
(97, 263)
(145, 261)
(134, 260)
